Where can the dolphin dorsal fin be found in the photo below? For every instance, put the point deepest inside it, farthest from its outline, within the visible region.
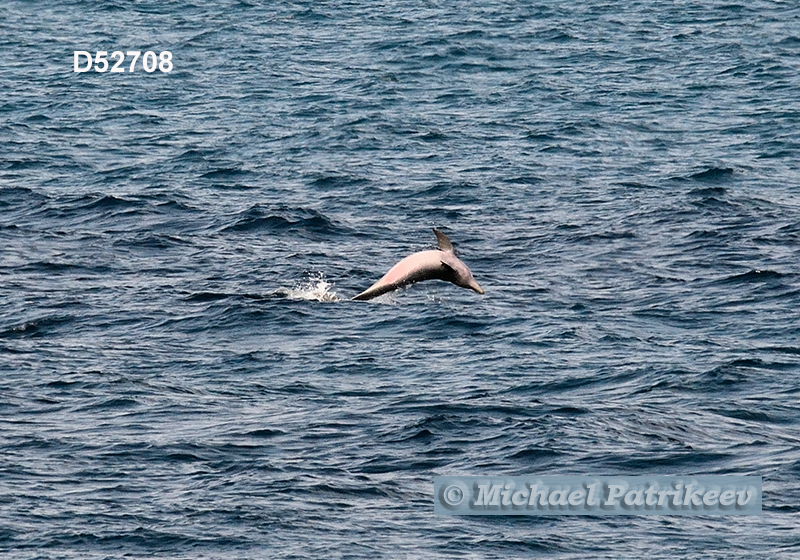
(444, 242)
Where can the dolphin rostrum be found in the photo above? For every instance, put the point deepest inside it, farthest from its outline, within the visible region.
(439, 264)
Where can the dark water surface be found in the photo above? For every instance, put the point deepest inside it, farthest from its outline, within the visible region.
(622, 179)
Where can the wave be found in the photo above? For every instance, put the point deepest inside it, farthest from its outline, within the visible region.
(752, 276)
(36, 328)
(106, 202)
(11, 197)
(330, 182)
(712, 174)
(226, 173)
(257, 218)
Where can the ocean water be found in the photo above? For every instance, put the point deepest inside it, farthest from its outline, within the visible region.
(183, 375)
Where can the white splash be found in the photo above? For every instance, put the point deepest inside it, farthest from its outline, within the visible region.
(313, 288)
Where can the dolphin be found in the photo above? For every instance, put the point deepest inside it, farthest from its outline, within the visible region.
(439, 264)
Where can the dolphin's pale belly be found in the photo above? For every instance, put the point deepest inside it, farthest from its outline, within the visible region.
(414, 268)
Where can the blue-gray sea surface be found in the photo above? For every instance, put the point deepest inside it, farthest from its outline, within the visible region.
(183, 376)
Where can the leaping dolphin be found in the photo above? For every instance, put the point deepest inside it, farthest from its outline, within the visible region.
(440, 264)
